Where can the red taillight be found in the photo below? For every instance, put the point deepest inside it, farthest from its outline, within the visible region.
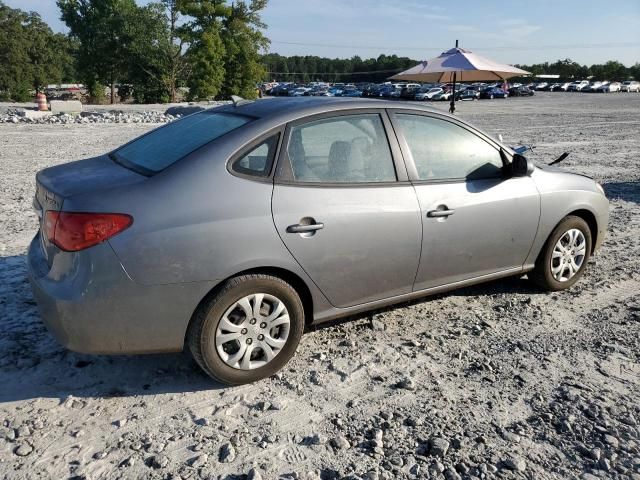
(73, 231)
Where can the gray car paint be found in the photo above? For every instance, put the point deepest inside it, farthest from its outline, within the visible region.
(195, 224)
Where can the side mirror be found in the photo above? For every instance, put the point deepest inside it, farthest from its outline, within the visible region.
(521, 166)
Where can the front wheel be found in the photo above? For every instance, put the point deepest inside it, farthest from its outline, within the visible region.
(248, 330)
(565, 255)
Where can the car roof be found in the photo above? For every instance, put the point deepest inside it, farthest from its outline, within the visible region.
(303, 106)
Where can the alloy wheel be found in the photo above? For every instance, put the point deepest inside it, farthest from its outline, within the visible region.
(568, 255)
(252, 331)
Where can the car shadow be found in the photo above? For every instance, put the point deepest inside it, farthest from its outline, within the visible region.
(508, 285)
(627, 191)
(33, 365)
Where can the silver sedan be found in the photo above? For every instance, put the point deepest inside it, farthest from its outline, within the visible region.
(232, 229)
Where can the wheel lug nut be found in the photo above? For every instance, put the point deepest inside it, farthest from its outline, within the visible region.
(249, 341)
(243, 331)
(260, 337)
(252, 321)
(263, 325)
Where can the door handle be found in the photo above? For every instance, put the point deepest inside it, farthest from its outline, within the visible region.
(298, 228)
(440, 213)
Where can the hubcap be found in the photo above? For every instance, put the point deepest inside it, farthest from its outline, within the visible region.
(568, 255)
(252, 331)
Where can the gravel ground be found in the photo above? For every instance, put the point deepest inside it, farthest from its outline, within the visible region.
(495, 381)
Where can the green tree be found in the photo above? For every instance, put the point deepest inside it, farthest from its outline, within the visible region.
(31, 55)
(102, 28)
(151, 54)
(243, 41)
(206, 52)
(176, 65)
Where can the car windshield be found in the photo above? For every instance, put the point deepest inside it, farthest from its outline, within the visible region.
(163, 147)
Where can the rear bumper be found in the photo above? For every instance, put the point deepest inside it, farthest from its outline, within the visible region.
(90, 305)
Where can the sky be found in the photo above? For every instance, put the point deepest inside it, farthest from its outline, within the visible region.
(514, 31)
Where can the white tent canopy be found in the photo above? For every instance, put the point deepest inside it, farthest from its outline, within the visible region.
(467, 67)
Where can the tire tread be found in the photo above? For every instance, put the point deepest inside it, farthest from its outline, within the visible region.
(194, 332)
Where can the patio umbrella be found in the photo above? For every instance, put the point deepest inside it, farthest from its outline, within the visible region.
(459, 65)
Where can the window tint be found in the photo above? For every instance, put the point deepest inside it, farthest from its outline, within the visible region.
(259, 160)
(444, 150)
(347, 149)
(165, 146)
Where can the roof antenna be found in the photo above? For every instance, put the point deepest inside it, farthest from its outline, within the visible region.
(237, 101)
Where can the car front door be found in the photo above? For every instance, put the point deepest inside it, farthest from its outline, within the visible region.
(344, 207)
(476, 220)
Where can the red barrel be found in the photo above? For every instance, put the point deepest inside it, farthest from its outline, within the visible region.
(42, 102)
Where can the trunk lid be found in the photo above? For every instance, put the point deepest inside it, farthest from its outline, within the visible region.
(55, 184)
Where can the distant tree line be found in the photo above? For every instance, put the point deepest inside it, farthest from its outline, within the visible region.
(568, 69)
(311, 68)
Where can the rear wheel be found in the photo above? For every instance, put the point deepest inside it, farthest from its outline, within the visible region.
(565, 255)
(248, 330)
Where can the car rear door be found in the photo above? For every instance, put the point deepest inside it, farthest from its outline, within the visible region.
(476, 221)
(344, 207)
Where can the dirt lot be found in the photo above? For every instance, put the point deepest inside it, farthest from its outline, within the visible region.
(495, 381)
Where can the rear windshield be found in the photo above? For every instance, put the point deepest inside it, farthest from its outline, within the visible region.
(162, 147)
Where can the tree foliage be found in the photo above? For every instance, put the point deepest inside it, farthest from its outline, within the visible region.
(243, 40)
(311, 68)
(570, 70)
(215, 48)
(31, 55)
(355, 69)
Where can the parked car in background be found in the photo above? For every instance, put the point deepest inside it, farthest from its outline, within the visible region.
(409, 91)
(521, 91)
(543, 86)
(288, 213)
(441, 96)
(428, 95)
(561, 87)
(593, 87)
(282, 89)
(612, 87)
(493, 92)
(299, 92)
(468, 94)
(630, 86)
(396, 92)
(577, 86)
(351, 91)
(600, 87)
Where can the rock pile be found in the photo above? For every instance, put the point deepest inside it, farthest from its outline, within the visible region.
(91, 117)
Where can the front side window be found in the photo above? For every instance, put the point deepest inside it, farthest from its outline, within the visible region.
(163, 147)
(442, 150)
(345, 149)
(258, 161)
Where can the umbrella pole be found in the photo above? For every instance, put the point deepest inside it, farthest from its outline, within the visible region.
(452, 106)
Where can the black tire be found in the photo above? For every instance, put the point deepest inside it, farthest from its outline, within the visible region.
(201, 332)
(541, 275)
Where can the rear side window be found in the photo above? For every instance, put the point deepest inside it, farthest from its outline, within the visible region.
(344, 149)
(161, 148)
(258, 161)
(442, 150)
